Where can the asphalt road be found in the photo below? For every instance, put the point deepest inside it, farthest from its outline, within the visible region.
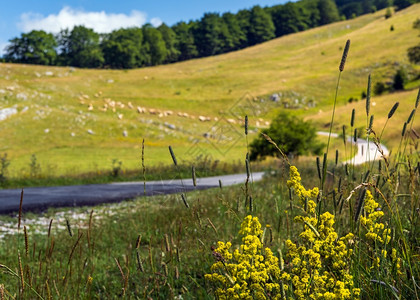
(366, 152)
(41, 198)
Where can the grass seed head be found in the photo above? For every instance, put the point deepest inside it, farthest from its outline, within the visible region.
(344, 57)
(393, 109)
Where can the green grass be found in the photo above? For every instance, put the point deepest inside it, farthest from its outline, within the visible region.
(160, 248)
(301, 65)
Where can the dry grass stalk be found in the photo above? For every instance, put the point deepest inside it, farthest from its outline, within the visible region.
(74, 247)
(139, 262)
(47, 287)
(167, 245)
(138, 241)
(119, 268)
(212, 225)
(1, 291)
(22, 281)
(277, 147)
(25, 232)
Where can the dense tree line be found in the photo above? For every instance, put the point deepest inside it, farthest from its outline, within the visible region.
(212, 34)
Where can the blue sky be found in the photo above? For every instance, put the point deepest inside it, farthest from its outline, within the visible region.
(106, 15)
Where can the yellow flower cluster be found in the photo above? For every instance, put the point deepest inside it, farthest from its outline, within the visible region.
(319, 266)
(375, 230)
(250, 272)
(303, 194)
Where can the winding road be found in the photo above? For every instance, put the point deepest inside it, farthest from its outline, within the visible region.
(41, 198)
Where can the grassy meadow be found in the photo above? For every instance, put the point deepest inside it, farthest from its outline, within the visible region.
(58, 106)
(306, 231)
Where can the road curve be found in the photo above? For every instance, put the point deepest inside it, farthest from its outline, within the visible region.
(366, 151)
(41, 198)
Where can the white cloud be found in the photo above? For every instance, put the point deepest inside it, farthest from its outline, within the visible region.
(156, 22)
(101, 22)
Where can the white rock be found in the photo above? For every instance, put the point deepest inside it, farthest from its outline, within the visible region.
(7, 112)
(46, 130)
(90, 131)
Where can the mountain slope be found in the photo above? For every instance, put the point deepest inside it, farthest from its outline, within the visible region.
(58, 107)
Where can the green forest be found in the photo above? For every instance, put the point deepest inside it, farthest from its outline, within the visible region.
(213, 34)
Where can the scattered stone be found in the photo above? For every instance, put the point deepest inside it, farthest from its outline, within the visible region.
(49, 73)
(170, 126)
(125, 133)
(275, 97)
(110, 81)
(90, 131)
(22, 96)
(46, 130)
(10, 88)
(73, 134)
(7, 112)
(37, 74)
(24, 109)
(120, 116)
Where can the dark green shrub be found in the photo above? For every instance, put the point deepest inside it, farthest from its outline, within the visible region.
(293, 136)
(414, 54)
(379, 88)
(388, 13)
(400, 79)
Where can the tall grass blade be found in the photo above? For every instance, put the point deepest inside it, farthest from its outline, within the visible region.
(173, 156)
(368, 96)
(360, 203)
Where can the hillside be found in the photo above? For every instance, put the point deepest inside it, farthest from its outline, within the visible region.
(56, 107)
